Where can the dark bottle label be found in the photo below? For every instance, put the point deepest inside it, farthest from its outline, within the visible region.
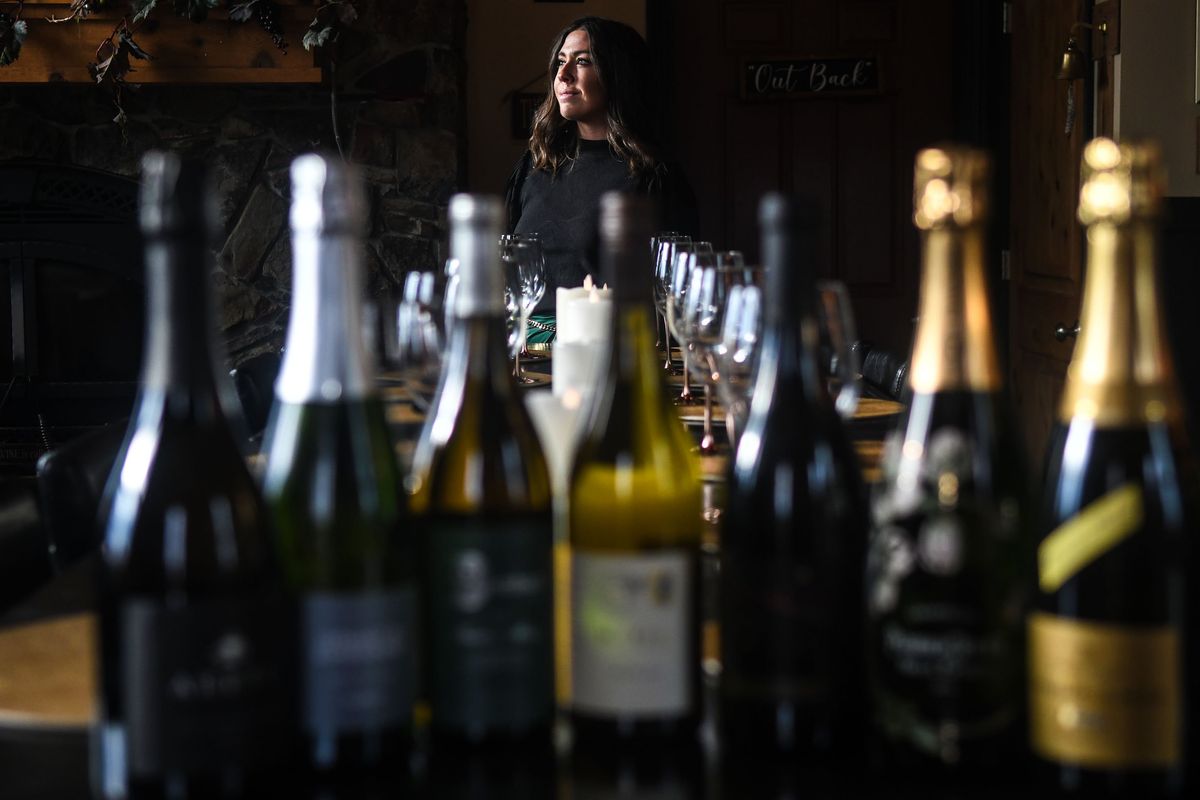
(360, 660)
(207, 685)
(491, 625)
(944, 604)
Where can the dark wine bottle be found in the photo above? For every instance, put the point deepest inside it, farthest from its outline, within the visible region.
(196, 653)
(333, 489)
(947, 568)
(1113, 639)
(634, 529)
(794, 534)
(481, 493)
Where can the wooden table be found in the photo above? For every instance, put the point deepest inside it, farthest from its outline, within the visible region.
(48, 665)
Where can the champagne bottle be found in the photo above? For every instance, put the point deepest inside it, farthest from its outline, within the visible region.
(195, 653)
(794, 533)
(947, 580)
(634, 527)
(1112, 670)
(333, 490)
(482, 492)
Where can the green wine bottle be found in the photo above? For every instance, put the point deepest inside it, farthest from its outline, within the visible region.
(195, 652)
(481, 493)
(1113, 640)
(333, 489)
(947, 570)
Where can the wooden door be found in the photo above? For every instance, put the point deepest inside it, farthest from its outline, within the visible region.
(854, 154)
(1047, 242)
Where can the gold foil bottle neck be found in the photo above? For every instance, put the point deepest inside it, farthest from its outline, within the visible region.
(950, 187)
(1121, 373)
(1120, 182)
(953, 350)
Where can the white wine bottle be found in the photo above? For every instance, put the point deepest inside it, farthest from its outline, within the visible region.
(1113, 640)
(634, 527)
(947, 571)
(333, 489)
(195, 652)
(481, 496)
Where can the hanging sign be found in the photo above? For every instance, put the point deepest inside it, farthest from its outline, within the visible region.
(808, 78)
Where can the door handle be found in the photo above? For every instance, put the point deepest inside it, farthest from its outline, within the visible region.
(1061, 332)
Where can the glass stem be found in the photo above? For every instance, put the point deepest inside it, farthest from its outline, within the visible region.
(686, 395)
(708, 443)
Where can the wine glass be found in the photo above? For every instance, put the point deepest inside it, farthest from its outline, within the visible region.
(413, 338)
(532, 276)
(523, 267)
(664, 262)
(737, 355)
(708, 306)
(699, 254)
(839, 360)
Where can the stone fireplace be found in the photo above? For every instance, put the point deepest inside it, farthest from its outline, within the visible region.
(400, 116)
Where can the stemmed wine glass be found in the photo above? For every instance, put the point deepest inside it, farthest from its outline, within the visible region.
(532, 279)
(413, 338)
(524, 284)
(707, 306)
(737, 356)
(698, 254)
(656, 242)
(664, 265)
(839, 361)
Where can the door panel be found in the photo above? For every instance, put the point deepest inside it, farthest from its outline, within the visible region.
(853, 154)
(1047, 243)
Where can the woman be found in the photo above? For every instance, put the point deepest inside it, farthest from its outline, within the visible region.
(595, 132)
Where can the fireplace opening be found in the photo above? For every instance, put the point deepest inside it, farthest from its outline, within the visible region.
(71, 331)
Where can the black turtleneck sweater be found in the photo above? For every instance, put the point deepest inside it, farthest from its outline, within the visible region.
(565, 208)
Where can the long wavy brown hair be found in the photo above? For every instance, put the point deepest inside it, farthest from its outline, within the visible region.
(622, 60)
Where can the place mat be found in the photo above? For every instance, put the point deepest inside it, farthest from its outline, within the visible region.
(48, 674)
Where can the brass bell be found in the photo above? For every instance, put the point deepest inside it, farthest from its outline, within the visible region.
(1074, 64)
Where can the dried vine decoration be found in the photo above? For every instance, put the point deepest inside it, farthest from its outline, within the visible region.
(322, 34)
(13, 30)
(112, 65)
(79, 10)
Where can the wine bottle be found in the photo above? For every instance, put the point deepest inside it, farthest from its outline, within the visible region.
(794, 533)
(481, 491)
(333, 490)
(195, 651)
(947, 566)
(1112, 669)
(634, 527)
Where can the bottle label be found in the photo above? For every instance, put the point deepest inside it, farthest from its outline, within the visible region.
(205, 685)
(1104, 696)
(1096, 529)
(360, 660)
(630, 634)
(491, 625)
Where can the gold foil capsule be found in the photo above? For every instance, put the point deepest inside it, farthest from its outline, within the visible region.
(950, 186)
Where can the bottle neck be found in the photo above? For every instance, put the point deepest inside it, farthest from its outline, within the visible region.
(180, 341)
(477, 352)
(325, 360)
(791, 336)
(954, 348)
(1121, 372)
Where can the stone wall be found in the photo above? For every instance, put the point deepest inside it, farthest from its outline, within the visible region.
(400, 88)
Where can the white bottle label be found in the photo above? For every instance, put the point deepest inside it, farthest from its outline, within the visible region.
(630, 634)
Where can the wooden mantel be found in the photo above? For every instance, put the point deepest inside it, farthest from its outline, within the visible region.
(214, 51)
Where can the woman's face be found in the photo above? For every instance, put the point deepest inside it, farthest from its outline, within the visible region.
(577, 87)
